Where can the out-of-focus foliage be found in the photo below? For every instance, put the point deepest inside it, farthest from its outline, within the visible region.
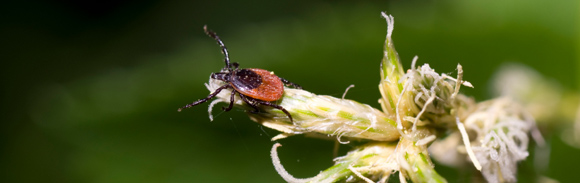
(90, 91)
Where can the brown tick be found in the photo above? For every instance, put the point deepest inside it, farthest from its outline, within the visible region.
(254, 86)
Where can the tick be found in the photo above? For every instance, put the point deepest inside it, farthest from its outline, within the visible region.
(254, 86)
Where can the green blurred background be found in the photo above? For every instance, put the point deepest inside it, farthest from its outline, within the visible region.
(90, 89)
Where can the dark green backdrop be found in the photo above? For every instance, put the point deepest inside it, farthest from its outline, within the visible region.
(90, 89)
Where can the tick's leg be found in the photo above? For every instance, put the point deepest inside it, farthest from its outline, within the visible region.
(232, 100)
(288, 83)
(222, 45)
(212, 95)
(277, 107)
(253, 105)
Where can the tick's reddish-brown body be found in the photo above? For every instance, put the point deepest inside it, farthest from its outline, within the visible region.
(254, 86)
(269, 89)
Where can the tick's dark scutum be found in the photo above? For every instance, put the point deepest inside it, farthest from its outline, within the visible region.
(245, 79)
